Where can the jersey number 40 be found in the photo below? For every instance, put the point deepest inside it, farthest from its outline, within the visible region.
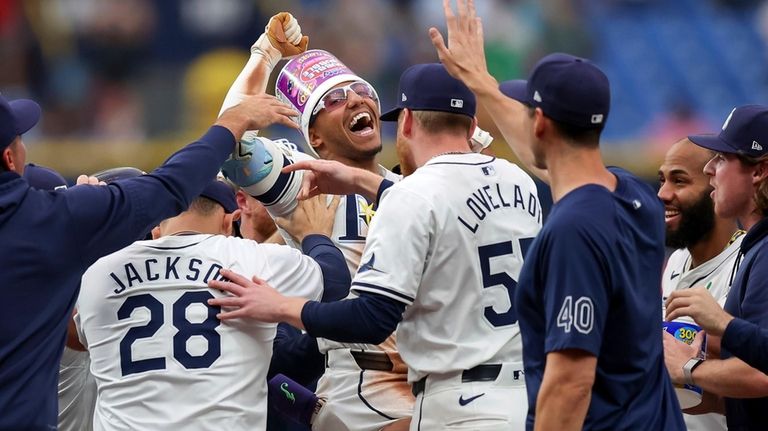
(186, 330)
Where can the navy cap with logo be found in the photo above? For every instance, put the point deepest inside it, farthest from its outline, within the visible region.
(745, 132)
(568, 89)
(429, 87)
(221, 193)
(43, 178)
(16, 118)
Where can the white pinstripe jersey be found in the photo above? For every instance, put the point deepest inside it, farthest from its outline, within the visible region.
(278, 194)
(160, 356)
(448, 242)
(716, 275)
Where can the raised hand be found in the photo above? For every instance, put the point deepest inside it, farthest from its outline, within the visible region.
(284, 34)
(257, 112)
(699, 304)
(464, 54)
(312, 216)
(281, 39)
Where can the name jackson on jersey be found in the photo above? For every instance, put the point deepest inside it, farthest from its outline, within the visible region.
(491, 197)
(168, 268)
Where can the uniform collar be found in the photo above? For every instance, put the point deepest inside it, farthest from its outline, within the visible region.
(758, 232)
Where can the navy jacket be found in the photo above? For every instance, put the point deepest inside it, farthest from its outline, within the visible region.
(748, 300)
(50, 238)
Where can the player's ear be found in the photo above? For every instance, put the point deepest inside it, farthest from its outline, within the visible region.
(539, 123)
(227, 221)
(242, 200)
(315, 141)
(761, 172)
(405, 122)
(7, 158)
(472, 128)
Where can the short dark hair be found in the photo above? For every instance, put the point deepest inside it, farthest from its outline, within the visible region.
(204, 206)
(439, 122)
(581, 136)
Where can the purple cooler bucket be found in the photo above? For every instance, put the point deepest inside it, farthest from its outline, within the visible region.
(305, 79)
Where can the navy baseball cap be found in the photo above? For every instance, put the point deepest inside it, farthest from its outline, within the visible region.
(221, 193)
(16, 118)
(745, 132)
(43, 178)
(120, 173)
(568, 89)
(429, 87)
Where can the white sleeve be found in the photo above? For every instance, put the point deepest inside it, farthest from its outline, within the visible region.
(397, 247)
(292, 273)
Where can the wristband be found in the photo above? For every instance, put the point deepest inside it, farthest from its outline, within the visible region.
(688, 368)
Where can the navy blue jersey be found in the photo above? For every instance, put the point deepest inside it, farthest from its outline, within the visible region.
(592, 281)
(748, 300)
(50, 238)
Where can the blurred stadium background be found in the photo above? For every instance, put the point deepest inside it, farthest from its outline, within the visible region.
(126, 82)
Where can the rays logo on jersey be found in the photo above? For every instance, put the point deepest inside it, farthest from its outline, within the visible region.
(368, 266)
(358, 216)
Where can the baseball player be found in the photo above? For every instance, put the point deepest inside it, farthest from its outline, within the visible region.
(160, 355)
(364, 385)
(77, 388)
(588, 296)
(52, 237)
(739, 174)
(443, 255)
(707, 245)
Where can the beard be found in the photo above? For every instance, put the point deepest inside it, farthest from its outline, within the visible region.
(696, 223)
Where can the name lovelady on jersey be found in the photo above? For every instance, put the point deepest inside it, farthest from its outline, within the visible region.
(448, 241)
(278, 191)
(160, 356)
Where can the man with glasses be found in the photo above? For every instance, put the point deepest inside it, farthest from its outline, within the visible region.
(364, 386)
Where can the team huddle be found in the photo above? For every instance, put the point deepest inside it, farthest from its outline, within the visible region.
(429, 297)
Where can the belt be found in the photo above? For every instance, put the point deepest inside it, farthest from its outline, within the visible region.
(480, 373)
(376, 361)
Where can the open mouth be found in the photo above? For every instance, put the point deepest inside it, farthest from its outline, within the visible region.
(361, 124)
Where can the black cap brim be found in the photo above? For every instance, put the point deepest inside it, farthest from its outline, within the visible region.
(391, 115)
(714, 143)
(516, 89)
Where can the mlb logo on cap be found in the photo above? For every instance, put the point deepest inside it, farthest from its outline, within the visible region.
(744, 132)
(431, 88)
(568, 89)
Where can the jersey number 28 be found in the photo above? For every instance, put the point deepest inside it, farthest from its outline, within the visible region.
(186, 330)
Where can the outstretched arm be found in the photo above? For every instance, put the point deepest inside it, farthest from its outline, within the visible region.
(332, 177)
(464, 58)
(282, 38)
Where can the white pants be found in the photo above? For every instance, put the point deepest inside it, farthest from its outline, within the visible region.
(360, 400)
(447, 403)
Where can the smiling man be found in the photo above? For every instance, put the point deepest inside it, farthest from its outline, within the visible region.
(707, 245)
(364, 386)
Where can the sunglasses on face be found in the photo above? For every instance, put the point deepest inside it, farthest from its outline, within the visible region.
(337, 97)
